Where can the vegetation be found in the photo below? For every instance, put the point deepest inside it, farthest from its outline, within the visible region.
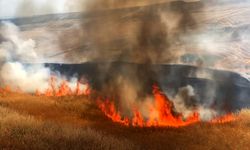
(31, 122)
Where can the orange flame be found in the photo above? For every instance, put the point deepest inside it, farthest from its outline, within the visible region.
(7, 89)
(109, 109)
(64, 89)
(224, 119)
(161, 114)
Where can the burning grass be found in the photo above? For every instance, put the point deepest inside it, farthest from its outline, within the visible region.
(64, 88)
(66, 119)
(75, 122)
(160, 114)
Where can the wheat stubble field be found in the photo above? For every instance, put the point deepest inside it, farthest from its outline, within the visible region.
(216, 33)
(33, 122)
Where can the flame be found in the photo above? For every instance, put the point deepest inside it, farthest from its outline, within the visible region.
(110, 111)
(64, 89)
(161, 114)
(224, 119)
(55, 88)
(160, 111)
(7, 89)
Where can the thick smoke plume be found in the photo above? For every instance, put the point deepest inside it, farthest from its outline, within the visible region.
(14, 53)
(141, 35)
(147, 36)
(152, 33)
(204, 33)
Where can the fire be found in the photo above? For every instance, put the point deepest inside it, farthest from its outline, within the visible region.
(110, 111)
(64, 89)
(7, 89)
(161, 114)
(224, 119)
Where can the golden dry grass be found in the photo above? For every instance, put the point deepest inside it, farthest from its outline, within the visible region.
(30, 122)
(20, 130)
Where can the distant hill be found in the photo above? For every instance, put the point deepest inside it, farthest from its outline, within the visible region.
(230, 88)
(220, 37)
(78, 15)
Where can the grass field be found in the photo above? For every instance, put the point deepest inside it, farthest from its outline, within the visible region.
(31, 122)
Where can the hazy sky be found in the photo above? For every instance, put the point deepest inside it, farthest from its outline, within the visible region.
(15, 8)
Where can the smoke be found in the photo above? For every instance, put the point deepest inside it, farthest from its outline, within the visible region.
(26, 8)
(27, 79)
(223, 39)
(13, 48)
(143, 37)
(15, 52)
(203, 31)
(133, 32)
(186, 102)
(152, 33)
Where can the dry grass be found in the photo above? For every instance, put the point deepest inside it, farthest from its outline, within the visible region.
(30, 122)
(25, 132)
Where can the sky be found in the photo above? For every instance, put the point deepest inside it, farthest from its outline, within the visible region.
(17, 8)
(20, 8)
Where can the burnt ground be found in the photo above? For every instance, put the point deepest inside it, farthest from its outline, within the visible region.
(37, 122)
(229, 90)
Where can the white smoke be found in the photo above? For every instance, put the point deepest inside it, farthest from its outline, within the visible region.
(186, 103)
(29, 79)
(12, 47)
(23, 8)
(181, 100)
(14, 52)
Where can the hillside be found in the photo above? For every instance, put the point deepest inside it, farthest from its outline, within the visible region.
(214, 32)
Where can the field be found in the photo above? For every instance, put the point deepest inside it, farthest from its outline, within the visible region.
(33, 122)
(219, 36)
(125, 47)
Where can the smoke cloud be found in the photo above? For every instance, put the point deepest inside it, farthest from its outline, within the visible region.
(151, 34)
(15, 52)
(139, 34)
(144, 38)
(27, 8)
(187, 103)
(155, 34)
